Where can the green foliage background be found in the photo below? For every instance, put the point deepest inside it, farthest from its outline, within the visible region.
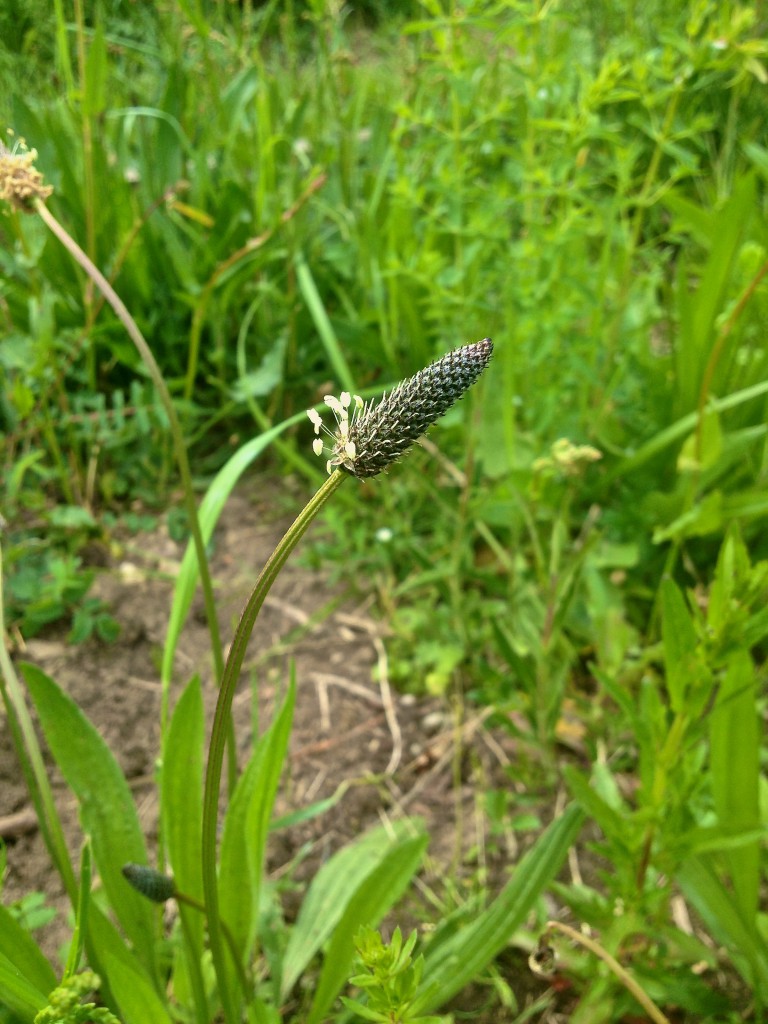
(293, 198)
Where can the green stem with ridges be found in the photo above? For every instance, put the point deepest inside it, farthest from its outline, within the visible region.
(222, 716)
(180, 451)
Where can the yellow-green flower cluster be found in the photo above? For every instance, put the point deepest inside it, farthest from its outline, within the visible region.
(20, 182)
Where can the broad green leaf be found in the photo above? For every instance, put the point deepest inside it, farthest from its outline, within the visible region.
(18, 993)
(461, 957)
(182, 790)
(106, 946)
(331, 891)
(23, 953)
(376, 894)
(137, 999)
(182, 817)
(246, 827)
(107, 811)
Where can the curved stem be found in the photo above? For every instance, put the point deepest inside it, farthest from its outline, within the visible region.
(180, 451)
(221, 717)
(623, 975)
(190, 901)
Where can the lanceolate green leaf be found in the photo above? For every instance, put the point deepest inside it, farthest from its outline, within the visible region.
(18, 993)
(725, 921)
(24, 955)
(182, 817)
(182, 790)
(450, 967)
(107, 811)
(246, 827)
(376, 894)
(330, 893)
(138, 1001)
(679, 644)
(113, 961)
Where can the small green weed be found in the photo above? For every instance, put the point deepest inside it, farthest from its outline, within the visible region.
(391, 979)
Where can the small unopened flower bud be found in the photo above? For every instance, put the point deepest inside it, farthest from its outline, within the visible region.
(377, 435)
(20, 182)
(149, 882)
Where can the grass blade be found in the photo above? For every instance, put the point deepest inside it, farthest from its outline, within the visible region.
(323, 324)
(215, 498)
(735, 767)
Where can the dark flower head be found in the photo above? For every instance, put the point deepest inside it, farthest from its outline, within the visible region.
(378, 435)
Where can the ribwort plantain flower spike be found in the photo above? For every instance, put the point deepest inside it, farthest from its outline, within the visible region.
(375, 436)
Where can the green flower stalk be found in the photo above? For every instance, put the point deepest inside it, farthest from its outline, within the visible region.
(378, 435)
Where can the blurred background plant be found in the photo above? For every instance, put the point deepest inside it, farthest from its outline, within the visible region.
(295, 196)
